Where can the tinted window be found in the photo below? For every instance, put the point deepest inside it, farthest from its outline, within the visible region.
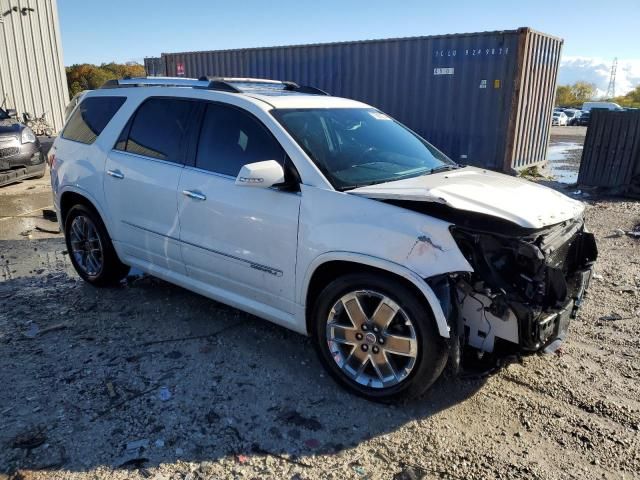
(159, 128)
(91, 117)
(230, 138)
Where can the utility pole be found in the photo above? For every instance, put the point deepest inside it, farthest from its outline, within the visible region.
(611, 90)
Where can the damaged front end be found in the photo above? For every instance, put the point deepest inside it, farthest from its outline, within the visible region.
(525, 287)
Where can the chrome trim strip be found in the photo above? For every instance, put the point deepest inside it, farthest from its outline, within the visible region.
(256, 266)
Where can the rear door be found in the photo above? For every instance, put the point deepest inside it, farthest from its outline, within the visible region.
(240, 239)
(141, 180)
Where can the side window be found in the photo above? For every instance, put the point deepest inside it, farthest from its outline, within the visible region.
(90, 118)
(231, 138)
(158, 129)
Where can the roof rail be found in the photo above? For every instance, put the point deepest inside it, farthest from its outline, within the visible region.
(154, 82)
(223, 84)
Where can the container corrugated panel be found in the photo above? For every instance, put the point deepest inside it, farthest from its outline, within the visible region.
(611, 153)
(466, 93)
(533, 99)
(154, 67)
(32, 75)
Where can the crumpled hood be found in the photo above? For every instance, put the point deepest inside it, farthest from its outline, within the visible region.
(524, 203)
(9, 127)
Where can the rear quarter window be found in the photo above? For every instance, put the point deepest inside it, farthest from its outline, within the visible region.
(90, 118)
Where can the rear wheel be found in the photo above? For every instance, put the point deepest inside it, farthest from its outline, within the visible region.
(376, 338)
(90, 248)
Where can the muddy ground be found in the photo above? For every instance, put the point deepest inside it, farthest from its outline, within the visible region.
(148, 380)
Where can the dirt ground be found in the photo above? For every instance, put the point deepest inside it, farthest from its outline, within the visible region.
(148, 380)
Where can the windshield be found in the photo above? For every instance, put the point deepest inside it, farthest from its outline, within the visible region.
(3, 115)
(360, 146)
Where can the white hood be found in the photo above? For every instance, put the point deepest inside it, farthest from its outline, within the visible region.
(482, 191)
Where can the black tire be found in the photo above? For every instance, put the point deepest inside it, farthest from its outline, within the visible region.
(432, 349)
(112, 270)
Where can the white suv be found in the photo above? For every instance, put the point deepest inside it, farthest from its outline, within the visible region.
(323, 215)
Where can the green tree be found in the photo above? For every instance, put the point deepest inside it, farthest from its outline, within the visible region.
(86, 76)
(564, 96)
(631, 99)
(575, 95)
(583, 91)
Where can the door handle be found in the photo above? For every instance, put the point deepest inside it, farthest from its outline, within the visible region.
(115, 174)
(194, 195)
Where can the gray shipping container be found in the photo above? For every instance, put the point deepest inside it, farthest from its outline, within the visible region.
(484, 99)
(154, 67)
(32, 75)
(611, 154)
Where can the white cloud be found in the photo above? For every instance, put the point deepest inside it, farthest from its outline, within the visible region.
(597, 70)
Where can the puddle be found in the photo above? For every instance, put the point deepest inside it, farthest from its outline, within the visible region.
(564, 161)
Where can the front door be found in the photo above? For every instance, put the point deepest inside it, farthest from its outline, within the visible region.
(141, 182)
(239, 239)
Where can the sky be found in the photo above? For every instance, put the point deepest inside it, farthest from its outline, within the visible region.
(116, 30)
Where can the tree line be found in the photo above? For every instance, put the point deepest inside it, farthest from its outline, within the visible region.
(578, 93)
(89, 77)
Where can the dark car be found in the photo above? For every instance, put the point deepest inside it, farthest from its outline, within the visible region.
(583, 119)
(21, 155)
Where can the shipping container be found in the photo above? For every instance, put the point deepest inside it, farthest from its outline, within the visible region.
(154, 67)
(484, 99)
(611, 153)
(32, 75)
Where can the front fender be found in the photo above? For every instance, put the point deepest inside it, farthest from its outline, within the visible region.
(415, 279)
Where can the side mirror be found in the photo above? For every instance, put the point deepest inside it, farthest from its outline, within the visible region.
(12, 112)
(261, 174)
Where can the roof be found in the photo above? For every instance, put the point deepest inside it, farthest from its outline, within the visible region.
(277, 94)
(303, 100)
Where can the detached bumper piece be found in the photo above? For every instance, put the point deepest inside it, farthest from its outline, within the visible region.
(525, 289)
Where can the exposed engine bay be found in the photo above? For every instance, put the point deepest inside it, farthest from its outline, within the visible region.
(526, 285)
(524, 288)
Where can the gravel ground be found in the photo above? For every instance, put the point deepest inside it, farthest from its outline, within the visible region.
(148, 380)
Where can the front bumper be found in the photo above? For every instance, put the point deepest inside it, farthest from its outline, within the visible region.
(524, 290)
(551, 326)
(19, 161)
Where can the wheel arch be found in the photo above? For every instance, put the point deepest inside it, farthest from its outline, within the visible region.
(329, 266)
(71, 197)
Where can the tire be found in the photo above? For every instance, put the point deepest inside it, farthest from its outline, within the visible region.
(90, 248)
(387, 376)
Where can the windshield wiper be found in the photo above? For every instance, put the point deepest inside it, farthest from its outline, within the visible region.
(443, 168)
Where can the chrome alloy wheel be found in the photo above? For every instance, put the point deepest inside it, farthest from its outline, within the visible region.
(371, 339)
(86, 246)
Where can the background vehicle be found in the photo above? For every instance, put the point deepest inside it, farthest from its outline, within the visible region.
(583, 119)
(572, 116)
(20, 154)
(268, 196)
(587, 106)
(559, 118)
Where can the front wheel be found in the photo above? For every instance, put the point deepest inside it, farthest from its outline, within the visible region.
(377, 338)
(90, 248)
